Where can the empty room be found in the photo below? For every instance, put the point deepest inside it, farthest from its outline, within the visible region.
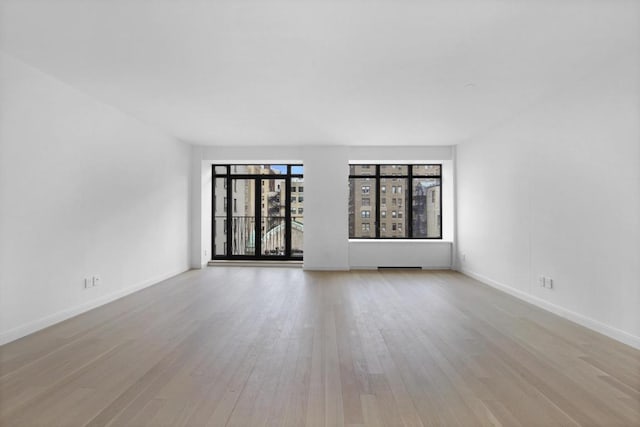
(320, 213)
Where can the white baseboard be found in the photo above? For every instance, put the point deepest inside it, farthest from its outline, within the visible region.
(587, 322)
(420, 268)
(324, 268)
(52, 319)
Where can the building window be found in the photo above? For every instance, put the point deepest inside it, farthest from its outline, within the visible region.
(417, 201)
(366, 226)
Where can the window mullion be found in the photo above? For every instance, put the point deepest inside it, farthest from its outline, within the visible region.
(377, 220)
(409, 202)
(228, 211)
(287, 213)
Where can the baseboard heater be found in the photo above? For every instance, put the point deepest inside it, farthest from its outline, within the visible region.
(399, 268)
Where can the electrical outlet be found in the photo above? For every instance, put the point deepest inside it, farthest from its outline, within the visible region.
(87, 283)
(95, 280)
(545, 282)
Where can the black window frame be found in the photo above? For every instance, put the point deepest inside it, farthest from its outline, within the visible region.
(408, 229)
(231, 174)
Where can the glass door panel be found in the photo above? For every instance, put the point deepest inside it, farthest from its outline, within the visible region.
(273, 224)
(243, 220)
(297, 216)
(220, 216)
(273, 237)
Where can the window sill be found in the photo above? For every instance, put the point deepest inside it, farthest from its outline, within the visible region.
(400, 241)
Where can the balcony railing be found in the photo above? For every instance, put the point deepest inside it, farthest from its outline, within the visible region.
(272, 235)
(243, 235)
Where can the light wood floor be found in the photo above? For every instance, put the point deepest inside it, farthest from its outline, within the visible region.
(274, 346)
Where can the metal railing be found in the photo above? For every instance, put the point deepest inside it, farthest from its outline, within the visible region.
(271, 232)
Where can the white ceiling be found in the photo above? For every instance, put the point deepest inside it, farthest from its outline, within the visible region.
(319, 72)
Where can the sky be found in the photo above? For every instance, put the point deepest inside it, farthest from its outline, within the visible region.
(282, 169)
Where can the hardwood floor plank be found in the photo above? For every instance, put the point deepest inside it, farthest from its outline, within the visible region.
(234, 346)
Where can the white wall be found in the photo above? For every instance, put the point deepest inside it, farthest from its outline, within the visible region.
(201, 182)
(84, 190)
(326, 243)
(371, 254)
(326, 226)
(556, 192)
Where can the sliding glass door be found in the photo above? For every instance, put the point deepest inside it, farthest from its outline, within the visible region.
(258, 212)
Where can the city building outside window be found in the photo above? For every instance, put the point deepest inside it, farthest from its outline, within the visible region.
(417, 203)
